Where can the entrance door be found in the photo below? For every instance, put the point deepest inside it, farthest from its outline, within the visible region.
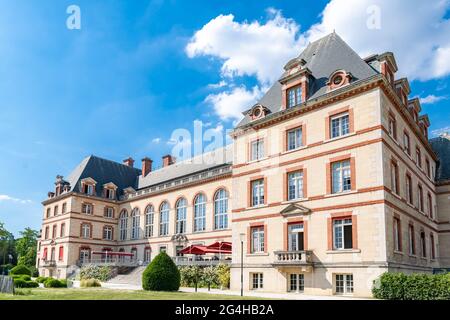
(295, 237)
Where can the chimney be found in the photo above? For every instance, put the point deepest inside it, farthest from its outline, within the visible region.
(167, 160)
(129, 162)
(146, 166)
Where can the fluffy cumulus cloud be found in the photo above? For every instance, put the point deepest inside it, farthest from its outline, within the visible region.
(431, 98)
(415, 30)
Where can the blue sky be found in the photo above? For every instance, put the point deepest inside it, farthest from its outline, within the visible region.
(137, 70)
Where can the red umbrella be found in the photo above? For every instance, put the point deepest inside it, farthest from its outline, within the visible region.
(194, 249)
(221, 246)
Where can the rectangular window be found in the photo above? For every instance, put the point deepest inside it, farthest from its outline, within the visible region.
(109, 193)
(163, 249)
(420, 198)
(397, 235)
(432, 247)
(61, 254)
(64, 208)
(257, 192)
(409, 192)
(392, 127)
(295, 237)
(418, 158)
(412, 242)
(177, 251)
(339, 125)
(295, 185)
(296, 282)
(344, 283)
(406, 143)
(257, 149)
(257, 234)
(294, 139)
(394, 177)
(109, 212)
(86, 208)
(62, 231)
(89, 189)
(428, 168)
(430, 205)
(341, 176)
(342, 234)
(107, 233)
(423, 245)
(55, 211)
(257, 281)
(294, 96)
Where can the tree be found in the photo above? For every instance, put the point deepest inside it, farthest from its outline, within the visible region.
(192, 275)
(209, 276)
(161, 274)
(7, 248)
(26, 247)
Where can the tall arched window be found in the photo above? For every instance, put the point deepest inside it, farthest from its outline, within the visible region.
(135, 215)
(221, 209)
(149, 219)
(199, 212)
(164, 219)
(181, 215)
(123, 224)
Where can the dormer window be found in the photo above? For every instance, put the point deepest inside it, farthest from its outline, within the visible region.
(338, 79)
(294, 96)
(88, 186)
(258, 111)
(110, 193)
(88, 189)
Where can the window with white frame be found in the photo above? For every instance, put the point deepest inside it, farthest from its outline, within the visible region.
(418, 157)
(344, 283)
(181, 216)
(149, 220)
(64, 208)
(55, 211)
(341, 176)
(163, 249)
(123, 225)
(257, 236)
(257, 149)
(62, 231)
(107, 233)
(109, 212)
(85, 230)
(164, 219)
(257, 281)
(342, 234)
(199, 212)
(295, 237)
(88, 189)
(110, 193)
(147, 255)
(87, 208)
(295, 185)
(394, 177)
(296, 282)
(85, 254)
(294, 96)
(392, 127)
(257, 192)
(339, 125)
(406, 143)
(135, 221)
(221, 209)
(294, 138)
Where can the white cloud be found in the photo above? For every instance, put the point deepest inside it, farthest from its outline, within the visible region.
(419, 41)
(248, 48)
(156, 140)
(440, 131)
(221, 84)
(431, 98)
(4, 197)
(230, 104)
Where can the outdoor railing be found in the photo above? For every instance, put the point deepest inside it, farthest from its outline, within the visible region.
(113, 261)
(196, 261)
(49, 263)
(292, 257)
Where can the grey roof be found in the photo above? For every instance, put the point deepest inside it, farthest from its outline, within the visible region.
(323, 57)
(103, 171)
(217, 158)
(441, 146)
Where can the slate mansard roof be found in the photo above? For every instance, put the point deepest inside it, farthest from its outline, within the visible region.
(323, 57)
(441, 146)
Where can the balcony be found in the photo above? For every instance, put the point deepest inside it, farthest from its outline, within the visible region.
(110, 261)
(292, 258)
(48, 263)
(201, 261)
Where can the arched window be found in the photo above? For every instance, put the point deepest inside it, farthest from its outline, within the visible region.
(199, 212)
(221, 209)
(135, 223)
(149, 219)
(181, 215)
(123, 224)
(164, 219)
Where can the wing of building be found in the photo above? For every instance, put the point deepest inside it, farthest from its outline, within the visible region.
(330, 181)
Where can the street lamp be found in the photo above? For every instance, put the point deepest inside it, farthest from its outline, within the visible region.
(242, 237)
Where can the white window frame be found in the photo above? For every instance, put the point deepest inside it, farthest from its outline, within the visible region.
(295, 185)
(86, 231)
(257, 279)
(200, 213)
(339, 234)
(294, 96)
(341, 176)
(257, 192)
(343, 284)
(221, 209)
(87, 208)
(343, 127)
(107, 233)
(181, 208)
(123, 225)
(257, 149)
(257, 238)
(149, 221)
(296, 282)
(294, 138)
(164, 212)
(135, 224)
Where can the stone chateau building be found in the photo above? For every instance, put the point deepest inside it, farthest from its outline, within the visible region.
(329, 182)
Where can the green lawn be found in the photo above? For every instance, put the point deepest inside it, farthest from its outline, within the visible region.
(109, 294)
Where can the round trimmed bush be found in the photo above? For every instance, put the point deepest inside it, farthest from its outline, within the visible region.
(89, 283)
(20, 270)
(54, 283)
(41, 279)
(20, 283)
(25, 277)
(31, 284)
(161, 274)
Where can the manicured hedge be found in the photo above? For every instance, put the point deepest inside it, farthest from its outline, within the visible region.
(399, 286)
(21, 269)
(89, 283)
(21, 283)
(161, 274)
(55, 283)
(102, 273)
(41, 279)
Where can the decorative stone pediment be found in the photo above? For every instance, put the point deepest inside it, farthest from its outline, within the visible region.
(295, 209)
(179, 238)
(110, 185)
(88, 180)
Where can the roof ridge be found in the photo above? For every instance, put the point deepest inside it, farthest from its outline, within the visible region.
(112, 161)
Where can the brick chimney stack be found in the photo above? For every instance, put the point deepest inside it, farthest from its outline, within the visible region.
(129, 162)
(168, 160)
(146, 166)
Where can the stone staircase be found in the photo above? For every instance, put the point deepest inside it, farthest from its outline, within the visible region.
(134, 277)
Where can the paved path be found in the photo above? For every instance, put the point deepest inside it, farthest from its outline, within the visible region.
(268, 295)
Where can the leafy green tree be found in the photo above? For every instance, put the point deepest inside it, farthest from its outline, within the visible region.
(7, 248)
(191, 275)
(209, 276)
(26, 247)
